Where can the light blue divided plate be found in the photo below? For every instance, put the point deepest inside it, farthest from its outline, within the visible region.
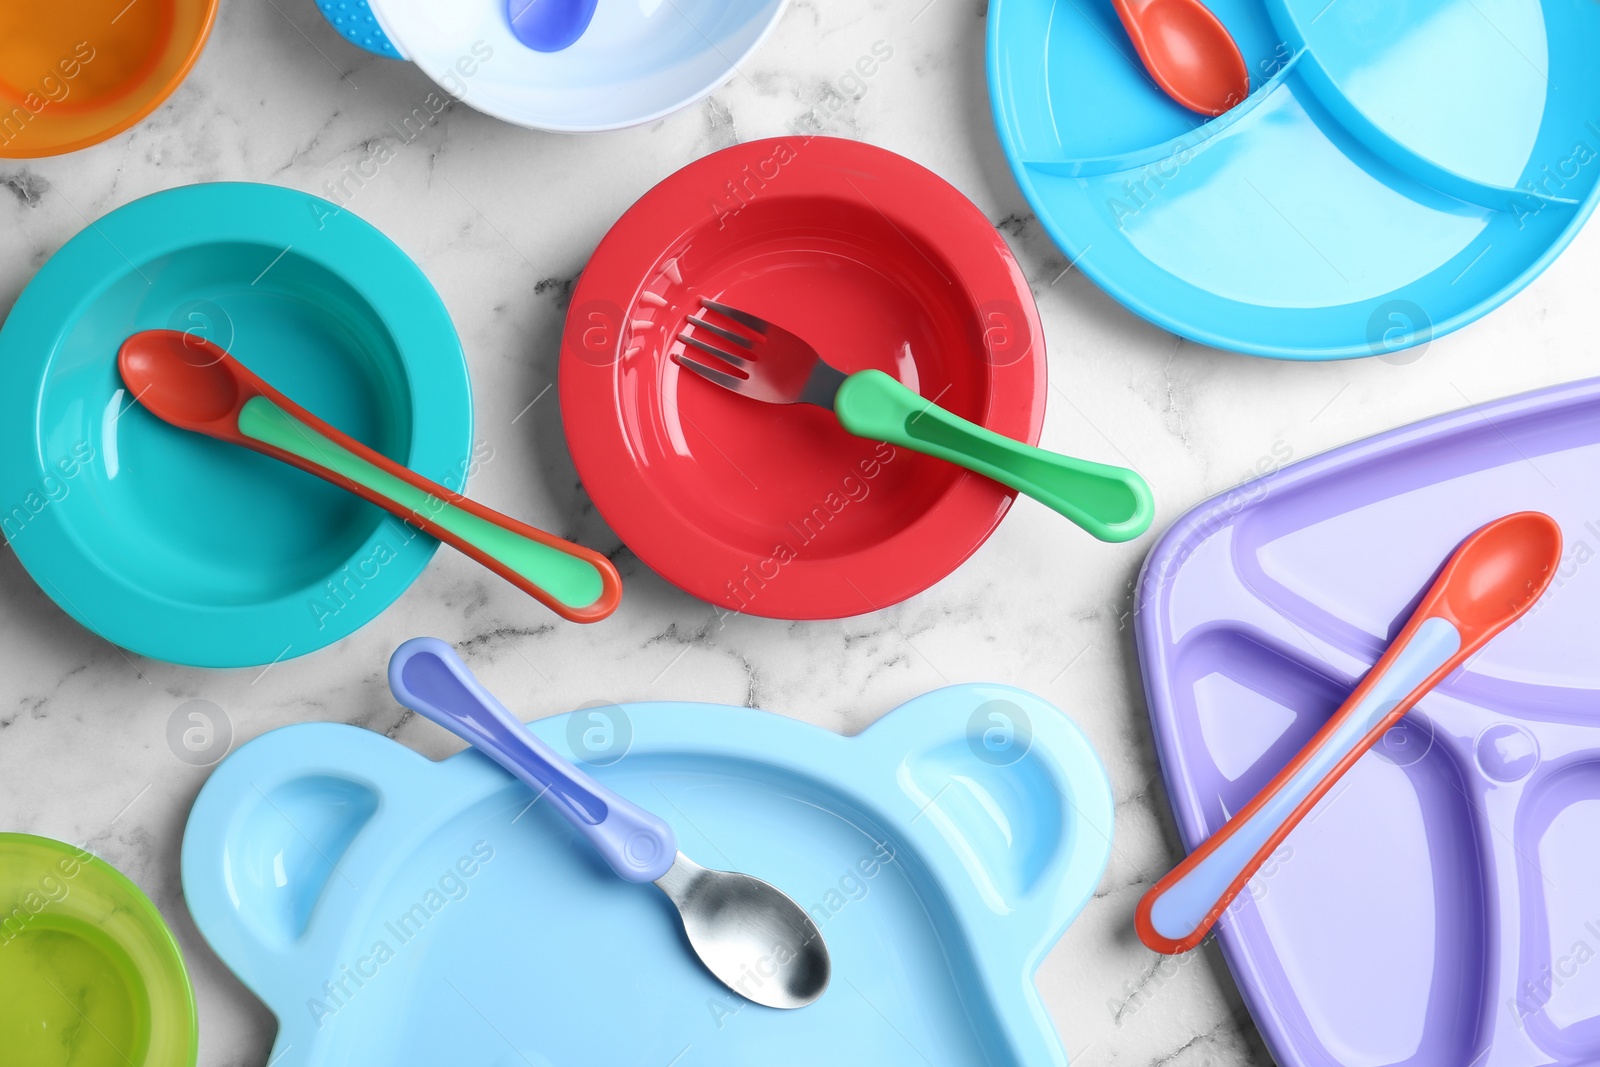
(394, 910)
(184, 548)
(1398, 170)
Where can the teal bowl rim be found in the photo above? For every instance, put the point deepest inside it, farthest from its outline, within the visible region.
(106, 250)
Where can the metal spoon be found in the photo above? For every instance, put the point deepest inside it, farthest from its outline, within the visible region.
(754, 938)
(1489, 582)
(1188, 51)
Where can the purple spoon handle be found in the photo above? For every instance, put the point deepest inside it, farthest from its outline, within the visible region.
(427, 676)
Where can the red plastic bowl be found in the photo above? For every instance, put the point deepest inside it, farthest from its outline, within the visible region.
(772, 510)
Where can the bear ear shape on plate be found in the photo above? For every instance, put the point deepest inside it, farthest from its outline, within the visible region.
(288, 846)
(351, 882)
(1010, 788)
(272, 836)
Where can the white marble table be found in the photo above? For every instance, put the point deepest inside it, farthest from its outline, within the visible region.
(502, 219)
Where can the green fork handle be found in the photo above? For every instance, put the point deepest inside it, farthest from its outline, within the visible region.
(1112, 503)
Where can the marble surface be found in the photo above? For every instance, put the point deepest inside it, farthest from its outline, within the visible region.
(502, 219)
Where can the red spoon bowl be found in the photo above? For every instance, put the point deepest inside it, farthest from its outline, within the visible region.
(1188, 52)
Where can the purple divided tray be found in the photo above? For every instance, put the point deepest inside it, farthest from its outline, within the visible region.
(1441, 906)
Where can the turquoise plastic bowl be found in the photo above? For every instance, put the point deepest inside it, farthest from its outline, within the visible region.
(183, 548)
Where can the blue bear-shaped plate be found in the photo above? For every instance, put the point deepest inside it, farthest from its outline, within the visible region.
(394, 910)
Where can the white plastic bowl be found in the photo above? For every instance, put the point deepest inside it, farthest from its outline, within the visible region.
(638, 61)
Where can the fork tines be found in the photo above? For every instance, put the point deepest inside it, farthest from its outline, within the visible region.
(743, 318)
(737, 361)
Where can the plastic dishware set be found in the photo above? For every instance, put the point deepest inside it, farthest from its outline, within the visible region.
(1371, 684)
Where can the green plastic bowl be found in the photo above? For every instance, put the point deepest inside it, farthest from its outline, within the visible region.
(89, 973)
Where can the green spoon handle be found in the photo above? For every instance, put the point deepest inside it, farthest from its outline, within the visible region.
(1112, 503)
(575, 582)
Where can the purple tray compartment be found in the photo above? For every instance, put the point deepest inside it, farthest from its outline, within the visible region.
(1441, 906)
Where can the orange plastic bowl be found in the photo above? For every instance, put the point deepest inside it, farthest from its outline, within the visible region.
(73, 74)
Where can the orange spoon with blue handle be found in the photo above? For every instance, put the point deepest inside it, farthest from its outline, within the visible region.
(1489, 582)
(194, 385)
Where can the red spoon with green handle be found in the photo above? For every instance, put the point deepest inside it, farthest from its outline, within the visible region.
(192, 384)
